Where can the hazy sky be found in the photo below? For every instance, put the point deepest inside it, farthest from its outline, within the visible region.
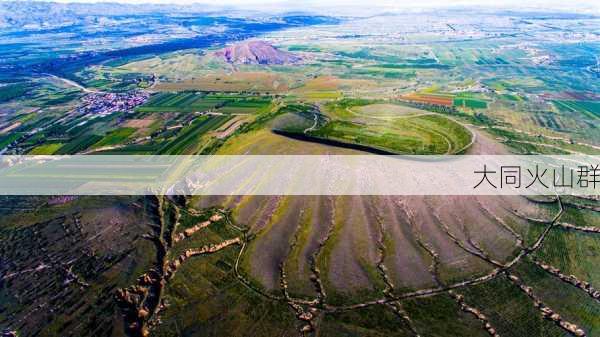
(369, 7)
(563, 4)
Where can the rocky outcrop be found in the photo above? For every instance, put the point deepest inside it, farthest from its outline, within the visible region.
(190, 231)
(143, 301)
(306, 315)
(460, 299)
(587, 229)
(582, 206)
(208, 249)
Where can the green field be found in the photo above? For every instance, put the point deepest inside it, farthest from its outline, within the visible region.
(9, 138)
(115, 137)
(513, 98)
(200, 102)
(79, 144)
(12, 91)
(189, 137)
(587, 108)
(470, 103)
(46, 149)
(135, 149)
(180, 102)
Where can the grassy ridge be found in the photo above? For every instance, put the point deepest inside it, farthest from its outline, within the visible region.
(430, 134)
(423, 132)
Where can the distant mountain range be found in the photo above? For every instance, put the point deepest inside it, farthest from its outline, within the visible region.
(32, 15)
(40, 15)
(45, 15)
(256, 52)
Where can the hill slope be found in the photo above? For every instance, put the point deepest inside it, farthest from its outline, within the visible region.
(256, 52)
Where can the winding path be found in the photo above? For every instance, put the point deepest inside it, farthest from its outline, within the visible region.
(75, 84)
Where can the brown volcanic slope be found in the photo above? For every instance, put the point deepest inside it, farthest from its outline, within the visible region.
(281, 266)
(256, 52)
(356, 231)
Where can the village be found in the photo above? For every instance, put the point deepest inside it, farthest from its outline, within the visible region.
(104, 104)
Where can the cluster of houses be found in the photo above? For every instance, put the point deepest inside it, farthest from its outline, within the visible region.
(103, 104)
